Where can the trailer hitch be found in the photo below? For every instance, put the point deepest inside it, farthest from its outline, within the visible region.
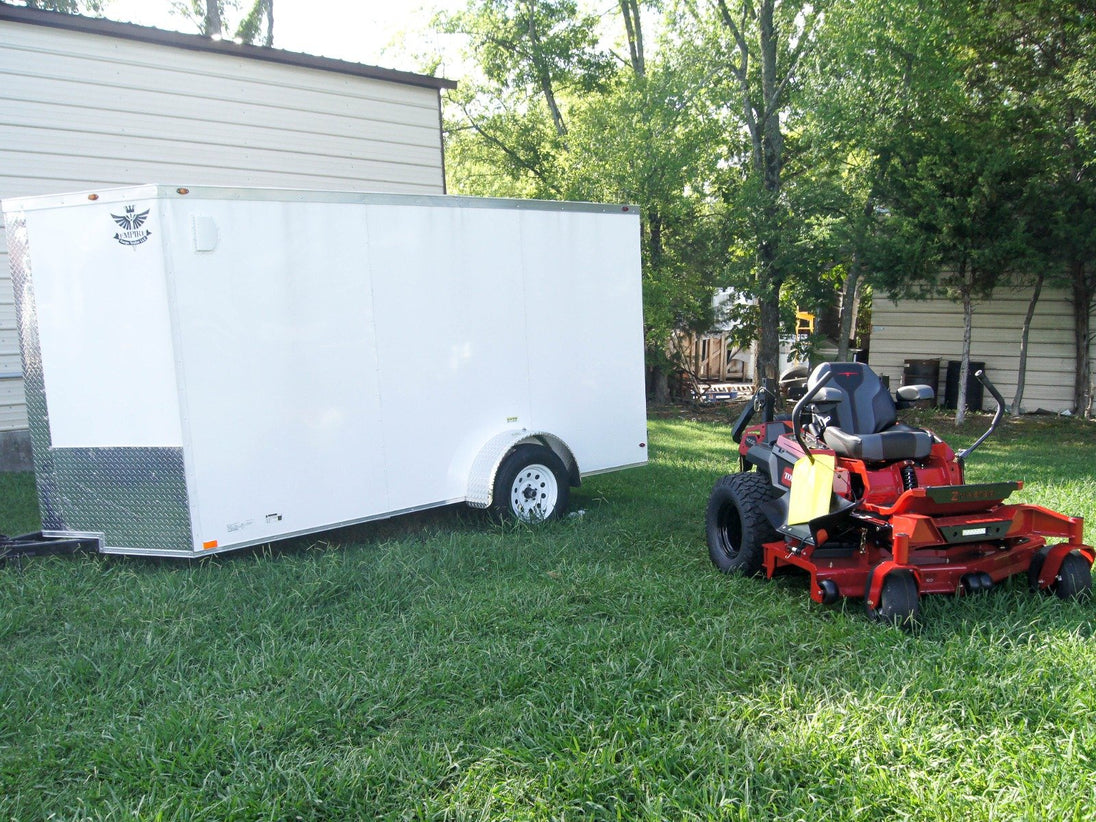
(38, 544)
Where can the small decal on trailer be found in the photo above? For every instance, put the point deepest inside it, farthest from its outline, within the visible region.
(132, 224)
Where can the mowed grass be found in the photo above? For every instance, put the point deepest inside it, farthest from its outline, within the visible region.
(443, 667)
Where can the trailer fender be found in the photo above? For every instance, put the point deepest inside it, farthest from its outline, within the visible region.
(481, 477)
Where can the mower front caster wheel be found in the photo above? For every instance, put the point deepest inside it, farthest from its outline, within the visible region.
(1074, 580)
(899, 602)
(736, 525)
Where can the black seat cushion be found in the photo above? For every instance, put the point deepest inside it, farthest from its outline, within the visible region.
(907, 444)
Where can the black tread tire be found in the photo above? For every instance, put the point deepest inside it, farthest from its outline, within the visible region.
(899, 602)
(1074, 580)
(1035, 568)
(737, 528)
(517, 461)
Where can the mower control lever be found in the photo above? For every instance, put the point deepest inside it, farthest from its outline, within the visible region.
(1000, 412)
(798, 411)
(762, 401)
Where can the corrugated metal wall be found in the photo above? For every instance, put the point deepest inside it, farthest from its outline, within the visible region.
(85, 110)
(925, 329)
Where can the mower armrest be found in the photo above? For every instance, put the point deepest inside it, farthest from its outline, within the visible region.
(907, 395)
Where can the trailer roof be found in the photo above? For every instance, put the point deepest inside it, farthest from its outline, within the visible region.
(118, 194)
(197, 42)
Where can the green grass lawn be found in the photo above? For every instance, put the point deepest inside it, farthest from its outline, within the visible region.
(442, 667)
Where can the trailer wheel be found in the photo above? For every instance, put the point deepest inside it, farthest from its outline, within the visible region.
(899, 602)
(531, 485)
(737, 528)
(1074, 580)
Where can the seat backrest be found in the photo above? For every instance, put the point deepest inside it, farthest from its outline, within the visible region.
(867, 406)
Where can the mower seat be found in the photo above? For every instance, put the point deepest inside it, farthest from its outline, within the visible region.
(863, 420)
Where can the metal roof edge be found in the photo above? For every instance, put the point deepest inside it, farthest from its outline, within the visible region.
(114, 194)
(197, 42)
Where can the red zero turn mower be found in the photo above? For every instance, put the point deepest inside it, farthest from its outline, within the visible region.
(875, 509)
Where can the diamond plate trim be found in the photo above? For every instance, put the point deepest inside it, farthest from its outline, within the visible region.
(137, 497)
(34, 386)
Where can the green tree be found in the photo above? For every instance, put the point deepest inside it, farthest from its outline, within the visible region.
(877, 68)
(757, 50)
(1037, 58)
(959, 188)
(557, 116)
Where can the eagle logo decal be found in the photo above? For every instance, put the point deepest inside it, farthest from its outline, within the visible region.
(131, 222)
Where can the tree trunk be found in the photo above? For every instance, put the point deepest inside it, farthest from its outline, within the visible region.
(213, 18)
(632, 25)
(767, 372)
(964, 360)
(268, 7)
(544, 76)
(1082, 298)
(848, 308)
(661, 386)
(1021, 373)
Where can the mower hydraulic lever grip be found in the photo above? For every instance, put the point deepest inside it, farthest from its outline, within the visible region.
(1000, 412)
(798, 411)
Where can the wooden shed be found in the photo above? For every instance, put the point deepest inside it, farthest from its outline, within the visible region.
(91, 103)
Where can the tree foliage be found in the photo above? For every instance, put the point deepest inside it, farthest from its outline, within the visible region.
(557, 113)
(212, 17)
(86, 7)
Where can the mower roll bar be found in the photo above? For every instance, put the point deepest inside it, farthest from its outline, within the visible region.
(980, 375)
(798, 411)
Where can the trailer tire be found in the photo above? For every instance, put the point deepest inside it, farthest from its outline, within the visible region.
(532, 485)
(736, 525)
(1074, 580)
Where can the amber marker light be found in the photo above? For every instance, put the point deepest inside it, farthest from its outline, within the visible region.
(211, 544)
(183, 190)
(93, 196)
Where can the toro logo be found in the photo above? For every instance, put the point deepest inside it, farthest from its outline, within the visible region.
(786, 477)
(131, 224)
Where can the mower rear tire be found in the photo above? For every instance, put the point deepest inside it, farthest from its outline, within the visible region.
(1074, 580)
(736, 525)
(899, 602)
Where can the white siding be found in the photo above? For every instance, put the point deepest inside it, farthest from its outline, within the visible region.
(84, 110)
(926, 329)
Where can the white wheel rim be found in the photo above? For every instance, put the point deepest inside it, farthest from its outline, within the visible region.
(534, 493)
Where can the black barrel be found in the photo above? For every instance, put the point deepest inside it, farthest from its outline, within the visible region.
(974, 387)
(922, 372)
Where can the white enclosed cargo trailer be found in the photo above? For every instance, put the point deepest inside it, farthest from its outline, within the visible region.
(211, 368)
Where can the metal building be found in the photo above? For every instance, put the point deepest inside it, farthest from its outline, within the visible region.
(90, 103)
